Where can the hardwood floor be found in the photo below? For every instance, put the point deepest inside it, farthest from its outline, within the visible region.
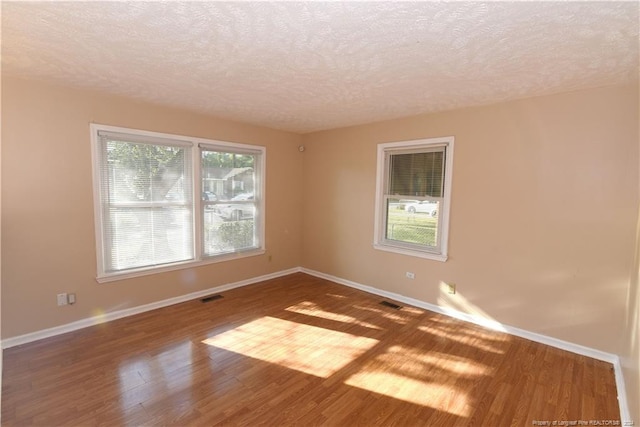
(299, 350)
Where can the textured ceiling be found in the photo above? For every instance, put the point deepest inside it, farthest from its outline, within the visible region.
(306, 66)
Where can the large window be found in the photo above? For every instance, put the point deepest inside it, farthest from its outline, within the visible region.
(413, 197)
(163, 201)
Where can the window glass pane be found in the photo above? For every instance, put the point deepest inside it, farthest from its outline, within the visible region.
(417, 174)
(412, 221)
(144, 172)
(229, 211)
(227, 175)
(229, 232)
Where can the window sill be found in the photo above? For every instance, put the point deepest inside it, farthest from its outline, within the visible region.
(409, 252)
(178, 266)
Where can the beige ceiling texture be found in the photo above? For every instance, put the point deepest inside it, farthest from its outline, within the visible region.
(307, 66)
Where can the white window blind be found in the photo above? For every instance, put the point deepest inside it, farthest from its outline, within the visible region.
(146, 199)
(416, 174)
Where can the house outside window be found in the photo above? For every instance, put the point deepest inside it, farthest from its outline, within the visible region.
(413, 197)
(166, 201)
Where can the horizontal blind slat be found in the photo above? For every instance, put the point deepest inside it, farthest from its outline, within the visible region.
(142, 139)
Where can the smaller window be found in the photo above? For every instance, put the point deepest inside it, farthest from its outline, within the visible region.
(413, 194)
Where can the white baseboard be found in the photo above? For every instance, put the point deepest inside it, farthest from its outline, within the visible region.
(107, 317)
(625, 413)
(511, 330)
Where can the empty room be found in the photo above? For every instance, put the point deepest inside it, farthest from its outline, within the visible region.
(320, 213)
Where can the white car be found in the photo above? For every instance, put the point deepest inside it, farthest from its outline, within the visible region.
(237, 211)
(425, 206)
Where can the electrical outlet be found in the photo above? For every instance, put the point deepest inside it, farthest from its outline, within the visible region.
(410, 275)
(452, 288)
(71, 298)
(62, 299)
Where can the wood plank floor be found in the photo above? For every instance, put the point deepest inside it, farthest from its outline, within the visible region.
(298, 350)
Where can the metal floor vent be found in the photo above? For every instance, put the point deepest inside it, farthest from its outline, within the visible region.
(390, 304)
(211, 298)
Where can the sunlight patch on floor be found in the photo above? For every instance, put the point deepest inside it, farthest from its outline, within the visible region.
(420, 378)
(384, 313)
(479, 340)
(305, 348)
(457, 303)
(312, 309)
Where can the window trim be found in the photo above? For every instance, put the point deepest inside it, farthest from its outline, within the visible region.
(199, 258)
(380, 242)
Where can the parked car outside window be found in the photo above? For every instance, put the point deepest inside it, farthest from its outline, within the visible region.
(237, 211)
(209, 196)
(425, 206)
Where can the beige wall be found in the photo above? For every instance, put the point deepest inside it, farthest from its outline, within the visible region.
(543, 214)
(48, 243)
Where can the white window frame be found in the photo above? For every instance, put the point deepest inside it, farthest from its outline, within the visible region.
(438, 252)
(199, 257)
